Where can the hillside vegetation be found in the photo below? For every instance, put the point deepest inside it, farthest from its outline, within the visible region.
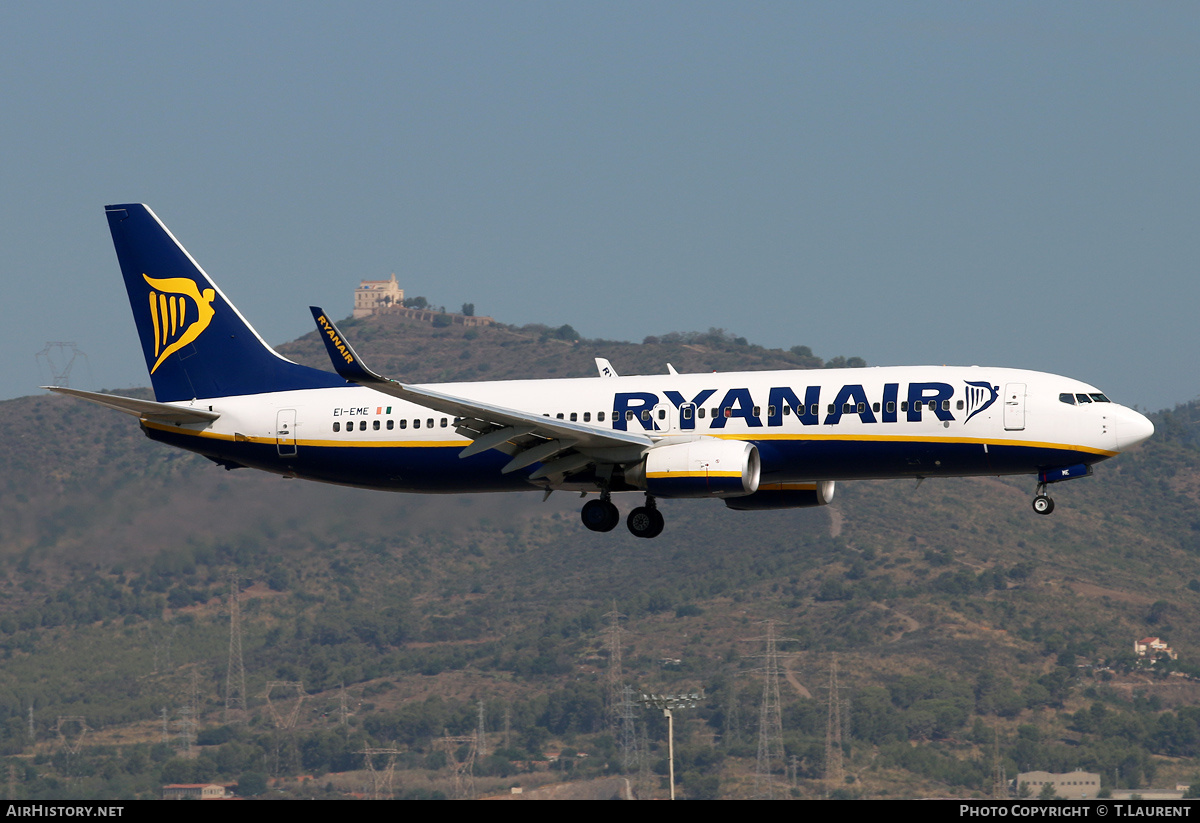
(955, 613)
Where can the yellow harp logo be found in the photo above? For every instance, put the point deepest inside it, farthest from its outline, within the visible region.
(169, 313)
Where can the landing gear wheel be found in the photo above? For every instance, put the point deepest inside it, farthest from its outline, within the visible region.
(1042, 504)
(645, 522)
(600, 515)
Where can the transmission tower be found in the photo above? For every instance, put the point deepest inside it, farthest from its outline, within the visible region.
(733, 720)
(999, 779)
(235, 673)
(770, 718)
(834, 772)
(285, 721)
(381, 783)
(481, 734)
(615, 675)
(161, 645)
(59, 358)
(71, 746)
(631, 754)
(464, 770)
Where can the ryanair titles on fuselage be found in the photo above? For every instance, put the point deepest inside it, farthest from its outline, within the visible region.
(850, 401)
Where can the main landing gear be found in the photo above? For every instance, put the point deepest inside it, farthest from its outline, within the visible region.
(1042, 503)
(645, 521)
(602, 516)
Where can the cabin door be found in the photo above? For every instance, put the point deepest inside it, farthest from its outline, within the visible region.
(1014, 407)
(285, 432)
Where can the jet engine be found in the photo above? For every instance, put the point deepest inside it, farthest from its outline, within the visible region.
(784, 496)
(699, 468)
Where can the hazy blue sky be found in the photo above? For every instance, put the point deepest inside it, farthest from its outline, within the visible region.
(994, 183)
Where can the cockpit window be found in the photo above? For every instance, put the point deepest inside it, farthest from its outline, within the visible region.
(1099, 398)
(1083, 398)
(1067, 397)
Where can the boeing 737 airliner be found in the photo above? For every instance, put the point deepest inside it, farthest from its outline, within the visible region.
(757, 440)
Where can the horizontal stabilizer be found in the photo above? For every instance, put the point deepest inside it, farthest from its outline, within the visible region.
(147, 409)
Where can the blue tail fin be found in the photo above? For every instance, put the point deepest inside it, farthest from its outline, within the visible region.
(197, 345)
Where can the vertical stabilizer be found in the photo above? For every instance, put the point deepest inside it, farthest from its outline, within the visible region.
(195, 341)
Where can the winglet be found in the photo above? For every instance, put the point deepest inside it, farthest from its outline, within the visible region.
(605, 368)
(346, 361)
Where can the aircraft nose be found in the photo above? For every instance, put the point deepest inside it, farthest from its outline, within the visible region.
(1133, 428)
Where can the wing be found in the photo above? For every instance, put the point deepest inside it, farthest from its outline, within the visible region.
(562, 447)
(145, 409)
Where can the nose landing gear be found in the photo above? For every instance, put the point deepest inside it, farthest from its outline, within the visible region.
(1042, 503)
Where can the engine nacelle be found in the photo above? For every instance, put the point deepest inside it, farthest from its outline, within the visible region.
(698, 468)
(784, 496)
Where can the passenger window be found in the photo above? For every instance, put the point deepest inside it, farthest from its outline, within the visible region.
(559, 415)
(959, 405)
(662, 414)
(875, 407)
(362, 425)
(600, 416)
(444, 422)
(903, 405)
(945, 405)
(933, 405)
(417, 423)
(429, 423)
(337, 427)
(628, 415)
(862, 407)
(758, 411)
(814, 409)
(645, 414)
(375, 425)
(715, 412)
(787, 410)
(891, 407)
(770, 411)
(574, 417)
(832, 408)
(404, 423)
(391, 424)
(687, 412)
(700, 412)
(728, 412)
(847, 408)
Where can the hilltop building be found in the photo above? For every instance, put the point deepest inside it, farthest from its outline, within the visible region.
(372, 295)
(386, 297)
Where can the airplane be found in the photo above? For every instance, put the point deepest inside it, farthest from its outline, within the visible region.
(756, 440)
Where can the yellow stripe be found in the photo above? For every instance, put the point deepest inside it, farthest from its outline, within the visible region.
(402, 444)
(658, 475)
(912, 438)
